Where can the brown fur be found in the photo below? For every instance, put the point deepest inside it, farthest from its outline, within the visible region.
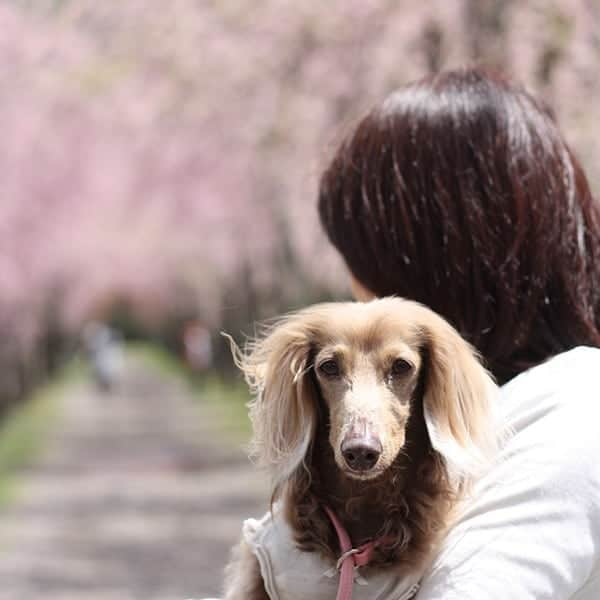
(409, 503)
(434, 422)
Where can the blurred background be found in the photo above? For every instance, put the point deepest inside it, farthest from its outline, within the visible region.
(158, 171)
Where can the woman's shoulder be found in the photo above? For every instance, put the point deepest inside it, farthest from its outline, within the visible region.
(552, 412)
(581, 361)
(567, 382)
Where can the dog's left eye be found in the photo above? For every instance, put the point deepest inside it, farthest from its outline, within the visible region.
(330, 368)
(401, 367)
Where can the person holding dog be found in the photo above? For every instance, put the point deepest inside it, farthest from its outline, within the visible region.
(460, 192)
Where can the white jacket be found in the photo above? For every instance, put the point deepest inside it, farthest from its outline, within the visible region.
(532, 528)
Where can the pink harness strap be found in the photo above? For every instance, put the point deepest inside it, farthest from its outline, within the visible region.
(350, 557)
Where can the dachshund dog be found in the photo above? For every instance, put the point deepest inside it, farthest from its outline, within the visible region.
(377, 412)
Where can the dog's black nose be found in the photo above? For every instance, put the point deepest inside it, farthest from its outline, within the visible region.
(361, 454)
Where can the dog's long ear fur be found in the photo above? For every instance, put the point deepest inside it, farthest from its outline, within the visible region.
(459, 400)
(283, 410)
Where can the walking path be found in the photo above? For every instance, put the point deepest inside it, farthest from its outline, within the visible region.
(134, 499)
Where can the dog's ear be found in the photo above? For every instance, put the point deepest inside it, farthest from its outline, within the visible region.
(283, 410)
(459, 400)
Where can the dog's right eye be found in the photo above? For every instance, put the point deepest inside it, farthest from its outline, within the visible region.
(329, 368)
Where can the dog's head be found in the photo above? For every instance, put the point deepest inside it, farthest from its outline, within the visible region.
(372, 365)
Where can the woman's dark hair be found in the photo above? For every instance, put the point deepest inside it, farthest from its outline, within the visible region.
(460, 192)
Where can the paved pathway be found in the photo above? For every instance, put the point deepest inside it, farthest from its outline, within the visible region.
(133, 500)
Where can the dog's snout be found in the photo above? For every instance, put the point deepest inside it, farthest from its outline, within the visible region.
(361, 453)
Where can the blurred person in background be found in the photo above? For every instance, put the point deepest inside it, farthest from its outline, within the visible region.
(104, 349)
(459, 191)
(197, 346)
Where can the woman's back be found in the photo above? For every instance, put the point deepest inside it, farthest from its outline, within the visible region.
(460, 192)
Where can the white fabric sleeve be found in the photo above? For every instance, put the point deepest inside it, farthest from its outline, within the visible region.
(532, 529)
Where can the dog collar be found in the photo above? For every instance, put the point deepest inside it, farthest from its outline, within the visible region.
(350, 558)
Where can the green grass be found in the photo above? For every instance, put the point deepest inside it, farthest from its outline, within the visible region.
(222, 400)
(159, 360)
(25, 430)
(226, 399)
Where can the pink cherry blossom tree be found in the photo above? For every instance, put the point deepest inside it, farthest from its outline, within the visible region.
(164, 157)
